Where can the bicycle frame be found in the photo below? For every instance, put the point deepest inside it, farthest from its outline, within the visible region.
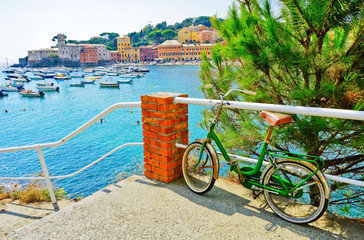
(253, 173)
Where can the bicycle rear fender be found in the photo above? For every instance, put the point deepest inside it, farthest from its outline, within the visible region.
(310, 166)
(215, 158)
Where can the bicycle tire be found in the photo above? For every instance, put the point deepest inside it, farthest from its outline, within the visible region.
(310, 202)
(199, 179)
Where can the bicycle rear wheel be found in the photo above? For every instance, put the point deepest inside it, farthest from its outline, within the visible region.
(306, 204)
(198, 174)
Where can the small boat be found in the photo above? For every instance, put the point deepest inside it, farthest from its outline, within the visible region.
(10, 89)
(30, 93)
(78, 76)
(14, 84)
(98, 74)
(111, 74)
(36, 77)
(61, 77)
(44, 84)
(3, 94)
(92, 77)
(130, 76)
(88, 81)
(48, 88)
(77, 85)
(144, 70)
(20, 80)
(125, 81)
(109, 84)
(88, 70)
(48, 74)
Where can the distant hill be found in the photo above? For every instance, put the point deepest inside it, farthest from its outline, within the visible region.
(143, 37)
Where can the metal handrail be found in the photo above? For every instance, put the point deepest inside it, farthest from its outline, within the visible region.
(39, 147)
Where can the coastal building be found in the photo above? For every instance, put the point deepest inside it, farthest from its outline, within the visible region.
(148, 53)
(69, 52)
(115, 57)
(126, 51)
(188, 34)
(194, 51)
(35, 56)
(205, 36)
(197, 34)
(103, 54)
(89, 55)
(170, 50)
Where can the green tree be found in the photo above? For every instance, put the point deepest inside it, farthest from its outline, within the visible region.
(155, 36)
(169, 34)
(53, 55)
(111, 35)
(109, 48)
(310, 54)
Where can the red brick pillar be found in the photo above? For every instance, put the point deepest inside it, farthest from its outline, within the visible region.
(164, 124)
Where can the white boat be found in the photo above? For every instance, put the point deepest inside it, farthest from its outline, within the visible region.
(20, 80)
(30, 93)
(48, 88)
(129, 75)
(109, 83)
(78, 76)
(88, 81)
(93, 78)
(14, 84)
(44, 83)
(10, 89)
(36, 77)
(62, 77)
(111, 74)
(125, 81)
(98, 74)
(77, 85)
(48, 74)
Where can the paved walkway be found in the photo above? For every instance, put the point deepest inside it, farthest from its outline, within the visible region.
(138, 208)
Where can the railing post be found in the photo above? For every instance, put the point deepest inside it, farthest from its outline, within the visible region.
(47, 179)
(164, 124)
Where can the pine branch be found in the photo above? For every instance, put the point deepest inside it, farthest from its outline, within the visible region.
(303, 16)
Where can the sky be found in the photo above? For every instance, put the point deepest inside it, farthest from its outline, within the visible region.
(31, 24)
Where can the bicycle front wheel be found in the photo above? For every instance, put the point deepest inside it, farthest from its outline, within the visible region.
(304, 205)
(198, 174)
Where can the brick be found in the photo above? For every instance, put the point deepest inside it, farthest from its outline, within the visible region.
(150, 148)
(149, 106)
(148, 167)
(170, 179)
(161, 115)
(151, 162)
(181, 112)
(152, 99)
(145, 113)
(146, 140)
(149, 134)
(164, 145)
(166, 123)
(151, 175)
(180, 126)
(145, 127)
(165, 100)
(148, 120)
(168, 152)
(147, 154)
(167, 108)
(161, 130)
(171, 165)
(144, 98)
(163, 172)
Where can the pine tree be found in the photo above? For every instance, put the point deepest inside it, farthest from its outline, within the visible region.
(306, 53)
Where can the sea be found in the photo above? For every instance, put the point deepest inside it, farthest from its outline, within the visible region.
(27, 121)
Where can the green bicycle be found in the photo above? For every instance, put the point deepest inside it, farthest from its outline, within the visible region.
(293, 184)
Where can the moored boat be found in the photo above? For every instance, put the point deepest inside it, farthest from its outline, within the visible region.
(88, 81)
(125, 81)
(77, 85)
(3, 94)
(48, 88)
(129, 75)
(36, 77)
(78, 76)
(30, 93)
(109, 84)
(92, 77)
(62, 77)
(44, 83)
(10, 89)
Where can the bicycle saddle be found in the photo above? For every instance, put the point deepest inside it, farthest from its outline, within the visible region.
(275, 119)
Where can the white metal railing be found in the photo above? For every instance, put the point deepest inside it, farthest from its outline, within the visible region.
(39, 147)
(313, 111)
(324, 112)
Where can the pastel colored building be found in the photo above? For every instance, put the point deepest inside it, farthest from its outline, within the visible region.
(194, 51)
(89, 55)
(115, 57)
(148, 53)
(40, 54)
(205, 36)
(126, 51)
(170, 50)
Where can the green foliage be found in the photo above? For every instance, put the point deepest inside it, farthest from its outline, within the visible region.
(53, 55)
(109, 48)
(169, 34)
(310, 54)
(111, 35)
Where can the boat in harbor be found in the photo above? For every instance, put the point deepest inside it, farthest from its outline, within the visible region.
(31, 93)
(77, 85)
(36, 78)
(48, 88)
(141, 70)
(112, 74)
(14, 84)
(130, 75)
(61, 77)
(6, 88)
(44, 83)
(77, 75)
(109, 83)
(125, 81)
(3, 94)
(93, 78)
(88, 81)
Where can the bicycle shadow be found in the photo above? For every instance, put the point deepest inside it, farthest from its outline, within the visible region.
(231, 198)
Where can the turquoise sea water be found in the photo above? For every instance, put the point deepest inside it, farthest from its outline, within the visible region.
(48, 119)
